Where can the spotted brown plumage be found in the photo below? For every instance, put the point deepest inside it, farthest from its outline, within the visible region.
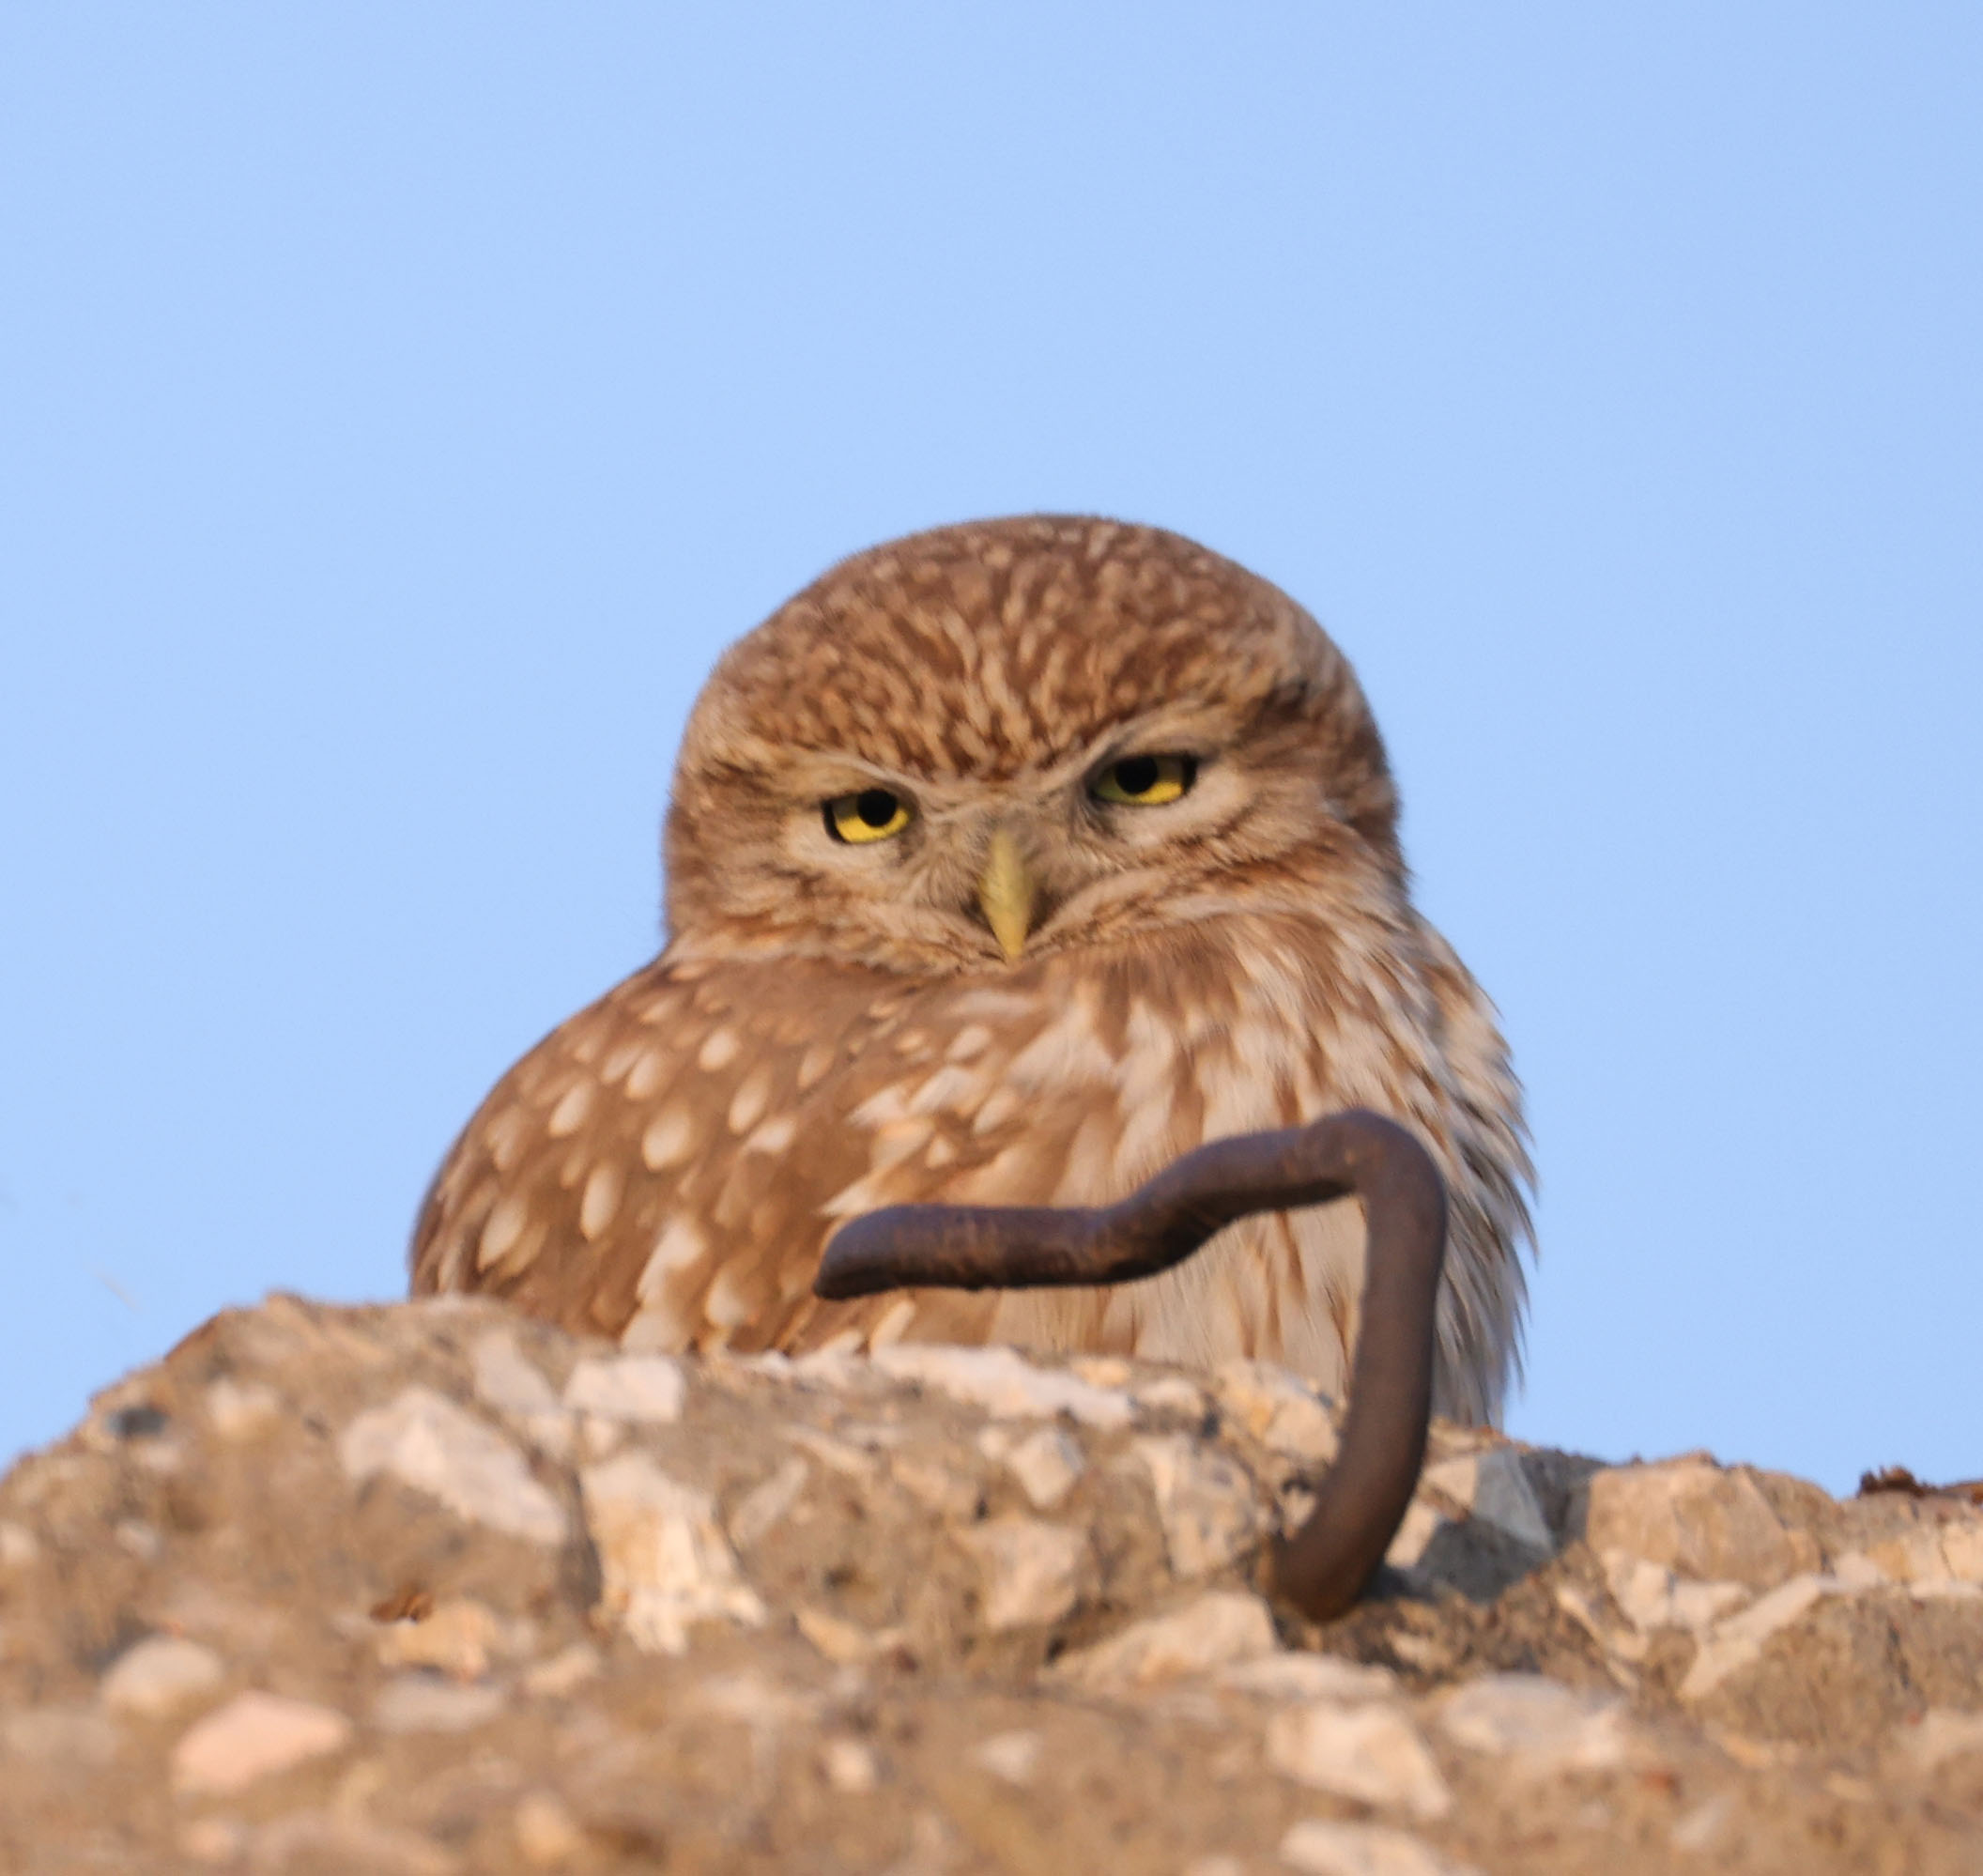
(1020, 984)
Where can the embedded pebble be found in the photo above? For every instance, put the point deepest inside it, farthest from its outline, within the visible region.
(1003, 1383)
(1542, 1724)
(1652, 1597)
(1047, 1463)
(1011, 1756)
(1212, 1632)
(1420, 1525)
(1170, 1394)
(1941, 1734)
(547, 1836)
(1276, 1409)
(1492, 1489)
(840, 1642)
(1319, 1848)
(1371, 1753)
(664, 1560)
(645, 1389)
(239, 1411)
(565, 1671)
(420, 1702)
(850, 1766)
(429, 1443)
(766, 1503)
(1737, 1642)
(457, 1639)
(253, 1736)
(1310, 1677)
(160, 1675)
(937, 1487)
(507, 1381)
(1206, 1498)
(1032, 1571)
(19, 1546)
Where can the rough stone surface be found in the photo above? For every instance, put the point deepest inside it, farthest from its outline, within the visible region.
(432, 1588)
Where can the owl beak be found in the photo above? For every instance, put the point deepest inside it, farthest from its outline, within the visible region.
(1007, 893)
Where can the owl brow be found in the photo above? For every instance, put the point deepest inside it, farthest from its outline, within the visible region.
(1326, 1564)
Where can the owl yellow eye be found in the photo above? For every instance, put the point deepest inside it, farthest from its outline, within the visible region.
(874, 814)
(1146, 781)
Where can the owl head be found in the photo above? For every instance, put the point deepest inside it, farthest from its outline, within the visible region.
(985, 744)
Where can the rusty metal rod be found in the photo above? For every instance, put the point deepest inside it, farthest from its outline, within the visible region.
(1324, 1567)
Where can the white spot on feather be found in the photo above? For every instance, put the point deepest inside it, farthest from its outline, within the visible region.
(719, 1050)
(600, 1203)
(569, 1116)
(669, 1137)
(504, 1227)
(679, 1245)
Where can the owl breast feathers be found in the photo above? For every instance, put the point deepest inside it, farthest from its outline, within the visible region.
(1004, 864)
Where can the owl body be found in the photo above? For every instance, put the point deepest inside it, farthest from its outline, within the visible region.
(1039, 985)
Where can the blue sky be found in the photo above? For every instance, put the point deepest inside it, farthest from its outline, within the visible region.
(400, 407)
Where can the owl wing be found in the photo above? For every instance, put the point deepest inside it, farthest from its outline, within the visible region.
(666, 1165)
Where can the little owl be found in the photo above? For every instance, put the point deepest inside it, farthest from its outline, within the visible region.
(1004, 864)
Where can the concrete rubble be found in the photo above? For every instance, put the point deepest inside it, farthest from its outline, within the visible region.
(430, 1588)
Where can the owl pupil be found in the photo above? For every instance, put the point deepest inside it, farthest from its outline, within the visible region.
(1138, 776)
(875, 805)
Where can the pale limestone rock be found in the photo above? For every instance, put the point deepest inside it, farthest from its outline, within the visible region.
(850, 1766)
(1857, 1571)
(847, 1644)
(1206, 1501)
(1539, 1724)
(1310, 1677)
(253, 1736)
(1046, 1463)
(241, 1411)
(1652, 1597)
(766, 1503)
(1942, 1734)
(1946, 1590)
(1371, 1753)
(1210, 1632)
(1033, 1571)
(1695, 1517)
(647, 1390)
(509, 1383)
(1011, 1756)
(1737, 1642)
(1318, 1848)
(1170, 1394)
(566, 1671)
(664, 1561)
(1420, 1525)
(426, 1441)
(1278, 1410)
(547, 1836)
(1963, 1549)
(1491, 1487)
(420, 1702)
(1002, 1384)
(160, 1675)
